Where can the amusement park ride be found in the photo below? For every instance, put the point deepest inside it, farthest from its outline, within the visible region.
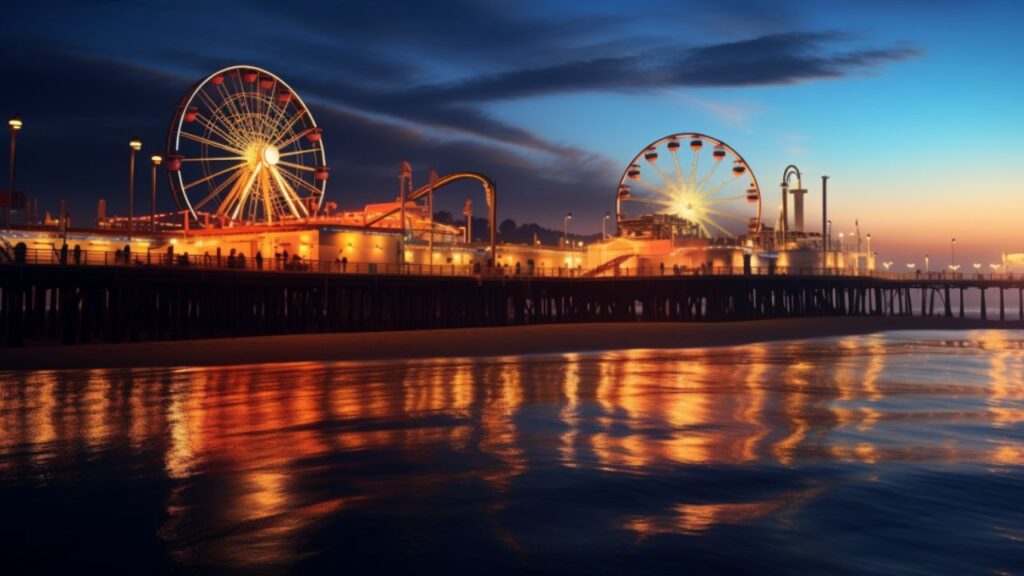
(248, 171)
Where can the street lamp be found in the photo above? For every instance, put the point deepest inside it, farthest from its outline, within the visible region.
(15, 125)
(604, 225)
(565, 229)
(156, 159)
(952, 252)
(842, 244)
(927, 267)
(824, 220)
(134, 145)
(869, 243)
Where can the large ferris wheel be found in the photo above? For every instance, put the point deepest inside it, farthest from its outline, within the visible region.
(710, 187)
(244, 147)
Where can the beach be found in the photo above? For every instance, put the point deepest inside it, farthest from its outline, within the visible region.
(464, 342)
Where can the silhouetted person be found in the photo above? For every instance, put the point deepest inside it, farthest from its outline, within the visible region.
(344, 263)
(170, 255)
(231, 259)
(259, 260)
(64, 253)
(127, 254)
(77, 254)
(662, 266)
(241, 260)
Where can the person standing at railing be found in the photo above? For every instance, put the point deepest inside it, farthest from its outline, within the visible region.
(259, 260)
(64, 254)
(77, 254)
(344, 263)
(127, 254)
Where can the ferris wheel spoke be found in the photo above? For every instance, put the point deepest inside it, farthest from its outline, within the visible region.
(231, 132)
(656, 203)
(653, 187)
(718, 201)
(212, 176)
(668, 182)
(211, 126)
(208, 142)
(296, 166)
(244, 192)
(716, 188)
(703, 181)
(693, 169)
(676, 165)
(289, 124)
(293, 138)
(297, 152)
(266, 188)
(217, 190)
(288, 193)
(306, 185)
(237, 119)
(214, 159)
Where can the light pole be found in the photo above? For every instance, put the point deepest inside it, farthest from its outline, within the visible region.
(604, 225)
(869, 243)
(152, 199)
(927, 266)
(952, 252)
(565, 229)
(824, 221)
(15, 125)
(134, 146)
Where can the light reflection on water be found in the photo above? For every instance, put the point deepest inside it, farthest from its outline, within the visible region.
(808, 456)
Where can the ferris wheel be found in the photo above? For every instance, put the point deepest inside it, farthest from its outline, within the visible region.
(244, 147)
(714, 190)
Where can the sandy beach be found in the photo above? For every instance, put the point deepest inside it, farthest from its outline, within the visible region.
(465, 342)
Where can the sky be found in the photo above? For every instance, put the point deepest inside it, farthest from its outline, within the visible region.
(913, 108)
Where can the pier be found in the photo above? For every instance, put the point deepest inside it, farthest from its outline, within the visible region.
(54, 303)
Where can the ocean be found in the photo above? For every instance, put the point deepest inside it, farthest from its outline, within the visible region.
(894, 453)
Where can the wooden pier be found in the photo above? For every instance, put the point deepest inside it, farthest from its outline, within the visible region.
(68, 304)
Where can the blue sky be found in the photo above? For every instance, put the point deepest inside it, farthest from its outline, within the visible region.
(912, 107)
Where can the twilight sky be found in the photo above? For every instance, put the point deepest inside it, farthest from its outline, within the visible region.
(914, 110)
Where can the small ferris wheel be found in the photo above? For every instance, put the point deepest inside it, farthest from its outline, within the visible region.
(243, 146)
(710, 191)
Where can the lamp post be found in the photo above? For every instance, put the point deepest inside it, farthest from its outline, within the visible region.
(952, 252)
(565, 229)
(152, 199)
(134, 146)
(604, 225)
(869, 243)
(824, 221)
(927, 265)
(15, 125)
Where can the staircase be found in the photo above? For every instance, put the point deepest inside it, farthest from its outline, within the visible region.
(612, 264)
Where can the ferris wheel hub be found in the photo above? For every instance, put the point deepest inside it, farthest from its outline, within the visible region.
(271, 155)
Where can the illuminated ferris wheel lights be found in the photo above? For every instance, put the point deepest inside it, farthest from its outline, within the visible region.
(266, 83)
(314, 134)
(706, 201)
(322, 173)
(250, 76)
(191, 113)
(217, 80)
(284, 97)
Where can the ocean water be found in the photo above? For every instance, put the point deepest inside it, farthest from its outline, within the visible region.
(898, 453)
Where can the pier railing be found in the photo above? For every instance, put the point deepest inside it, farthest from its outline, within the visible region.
(52, 256)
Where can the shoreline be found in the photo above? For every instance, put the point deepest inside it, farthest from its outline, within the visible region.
(464, 342)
